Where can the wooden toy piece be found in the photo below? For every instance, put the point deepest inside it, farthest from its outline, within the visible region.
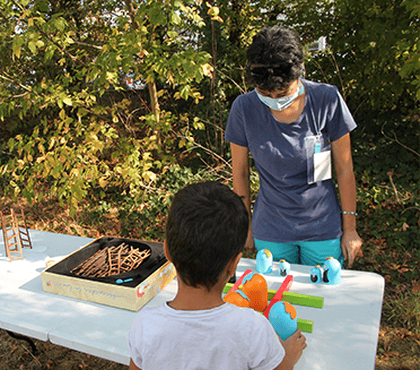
(11, 237)
(114, 261)
(283, 317)
(237, 298)
(89, 266)
(284, 268)
(282, 294)
(254, 286)
(303, 300)
(306, 326)
(111, 261)
(15, 237)
(227, 288)
(315, 275)
(287, 283)
(264, 261)
(239, 281)
(271, 292)
(332, 271)
(23, 231)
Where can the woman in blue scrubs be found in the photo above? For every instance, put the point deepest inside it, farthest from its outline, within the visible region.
(297, 131)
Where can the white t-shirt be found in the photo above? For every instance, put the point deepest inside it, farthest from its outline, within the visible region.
(226, 337)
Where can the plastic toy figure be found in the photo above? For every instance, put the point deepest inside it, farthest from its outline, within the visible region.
(237, 298)
(332, 271)
(315, 274)
(255, 288)
(283, 317)
(284, 268)
(264, 261)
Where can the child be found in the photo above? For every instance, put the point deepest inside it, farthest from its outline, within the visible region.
(206, 230)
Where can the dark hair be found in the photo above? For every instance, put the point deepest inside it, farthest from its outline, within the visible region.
(207, 227)
(275, 58)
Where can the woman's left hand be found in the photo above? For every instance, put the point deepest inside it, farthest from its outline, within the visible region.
(351, 245)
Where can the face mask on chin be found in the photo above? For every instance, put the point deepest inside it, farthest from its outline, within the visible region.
(282, 103)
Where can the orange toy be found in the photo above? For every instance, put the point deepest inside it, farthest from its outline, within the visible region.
(290, 310)
(255, 288)
(237, 298)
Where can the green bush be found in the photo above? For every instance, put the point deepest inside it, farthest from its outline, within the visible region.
(373, 50)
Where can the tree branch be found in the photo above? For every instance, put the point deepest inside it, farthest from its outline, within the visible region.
(62, 50)
(397, 141)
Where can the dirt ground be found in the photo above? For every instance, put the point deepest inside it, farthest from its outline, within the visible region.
(17, 355)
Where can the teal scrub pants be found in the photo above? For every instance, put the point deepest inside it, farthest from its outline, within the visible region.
(304, 253)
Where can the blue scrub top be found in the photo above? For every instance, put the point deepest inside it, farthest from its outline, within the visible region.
(288, 208)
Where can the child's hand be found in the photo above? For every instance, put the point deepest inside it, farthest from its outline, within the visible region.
(294, 347)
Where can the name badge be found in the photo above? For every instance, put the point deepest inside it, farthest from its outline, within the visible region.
(322, 166)
(318, 157)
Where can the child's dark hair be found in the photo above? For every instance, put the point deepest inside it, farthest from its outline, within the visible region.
(207, 227)
(275, 58)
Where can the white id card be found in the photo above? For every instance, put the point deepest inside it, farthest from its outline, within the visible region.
(322, 166)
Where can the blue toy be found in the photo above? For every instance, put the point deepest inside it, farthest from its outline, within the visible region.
(120, 281)
(264, 261)
(315, 275)
(332, 271)
(283, 317)
(284, 268)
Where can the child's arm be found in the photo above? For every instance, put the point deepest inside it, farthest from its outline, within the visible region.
(294, 347)
(133, 365)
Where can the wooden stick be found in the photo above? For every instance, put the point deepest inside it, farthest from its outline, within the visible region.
(239, 281)
(111, 261)
(287, 283)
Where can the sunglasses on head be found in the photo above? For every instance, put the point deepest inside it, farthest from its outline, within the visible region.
(263, 70)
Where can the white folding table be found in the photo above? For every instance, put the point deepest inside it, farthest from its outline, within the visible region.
(345, 331)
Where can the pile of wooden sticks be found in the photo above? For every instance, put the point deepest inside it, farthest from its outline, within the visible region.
(111, 261)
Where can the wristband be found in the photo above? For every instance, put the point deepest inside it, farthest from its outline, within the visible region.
(350, 213)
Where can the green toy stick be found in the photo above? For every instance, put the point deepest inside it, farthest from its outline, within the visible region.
(305, 325)
(293, 298)
(303, 299)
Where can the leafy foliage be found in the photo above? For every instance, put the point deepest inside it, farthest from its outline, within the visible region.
(388, 197)
(372, 53)
(74, 129)
(72, 125)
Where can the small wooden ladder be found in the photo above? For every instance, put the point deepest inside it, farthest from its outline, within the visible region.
(15, 237)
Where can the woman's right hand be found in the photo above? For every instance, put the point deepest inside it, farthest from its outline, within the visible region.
(240, 174)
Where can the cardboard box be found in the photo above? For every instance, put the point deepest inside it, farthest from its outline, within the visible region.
(148, 279)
